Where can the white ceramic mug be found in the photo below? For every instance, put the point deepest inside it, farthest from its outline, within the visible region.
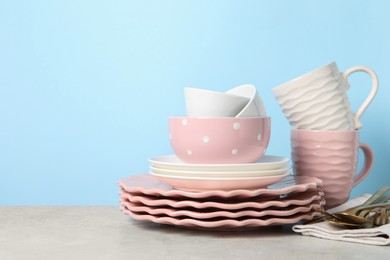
(318, 99)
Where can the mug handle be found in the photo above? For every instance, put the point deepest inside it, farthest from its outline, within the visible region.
(371, 95)
(368, 162)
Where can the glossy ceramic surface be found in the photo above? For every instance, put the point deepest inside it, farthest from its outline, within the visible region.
(300, 199)
(201, 214)
(143, 198)
(266, 162)
(318, 99)
(331, 156)
(208, 103)
(203, 183)
(146, 184)
(239, 174)
(255, 106)
(219, 140)
(222, 224)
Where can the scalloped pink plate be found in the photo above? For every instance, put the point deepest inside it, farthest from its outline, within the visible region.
(223, 224)
(199, 214)
(297, 200)
(147, 184)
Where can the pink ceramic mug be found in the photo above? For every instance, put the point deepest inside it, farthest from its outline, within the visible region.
(331, 156)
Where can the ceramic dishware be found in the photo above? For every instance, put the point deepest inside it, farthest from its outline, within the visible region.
(255, 106)
(204, 183)
(318, 100)
(332, 157)
(228, 174)
(148, 185)
(219, 140)
(293, 199)
(208, 103)
(265, 163)
(223, 224)
(299, 199)
(194, 213)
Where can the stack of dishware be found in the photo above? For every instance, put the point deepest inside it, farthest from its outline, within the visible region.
(219, 175)
(221, 135)
(294, 199)
(324, 129)
(200, 177)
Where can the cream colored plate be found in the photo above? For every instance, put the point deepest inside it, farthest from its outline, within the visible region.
(267, 162)
(238, 174)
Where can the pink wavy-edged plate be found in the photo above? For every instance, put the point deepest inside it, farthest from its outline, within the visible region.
(172, 212)
(298, 200)
(149, 185)
(221, 224)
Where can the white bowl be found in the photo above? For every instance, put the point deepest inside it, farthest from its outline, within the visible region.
(255, 106)
(207, 103)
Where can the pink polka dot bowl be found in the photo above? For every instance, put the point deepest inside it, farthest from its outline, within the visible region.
(213, 140)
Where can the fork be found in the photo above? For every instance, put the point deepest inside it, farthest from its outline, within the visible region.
(381, 217)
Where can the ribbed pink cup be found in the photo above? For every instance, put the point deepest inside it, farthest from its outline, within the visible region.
(332, 157)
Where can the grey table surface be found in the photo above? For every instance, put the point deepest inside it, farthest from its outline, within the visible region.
(104, 232)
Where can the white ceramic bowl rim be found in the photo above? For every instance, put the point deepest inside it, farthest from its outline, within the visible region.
(216, 92)
(220, 118)
(251, 98)
(246, 86)
(252, 87)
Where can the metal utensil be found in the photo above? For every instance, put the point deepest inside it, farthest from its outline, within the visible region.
(358, 216)
(354, 213)
(341, 223)
(381, 217)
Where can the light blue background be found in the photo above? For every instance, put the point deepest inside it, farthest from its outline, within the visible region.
(86, 87)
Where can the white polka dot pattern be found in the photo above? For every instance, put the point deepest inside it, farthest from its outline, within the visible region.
(219, 140)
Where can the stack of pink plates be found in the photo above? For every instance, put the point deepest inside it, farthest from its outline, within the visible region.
(292, 199)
